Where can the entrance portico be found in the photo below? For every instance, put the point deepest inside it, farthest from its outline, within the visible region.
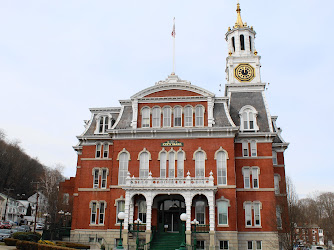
(169, 198)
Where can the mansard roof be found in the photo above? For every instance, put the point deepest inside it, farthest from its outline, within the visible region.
(173, 82)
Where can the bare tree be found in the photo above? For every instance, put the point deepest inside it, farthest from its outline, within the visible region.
(326, 206)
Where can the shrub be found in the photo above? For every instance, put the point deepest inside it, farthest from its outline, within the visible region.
(33, 237)
(27, 236)
(10, 241)
(46, 242)
(72, 245)
(28, 245)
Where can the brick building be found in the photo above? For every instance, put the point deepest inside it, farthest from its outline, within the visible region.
(308, 235)
(177, 148)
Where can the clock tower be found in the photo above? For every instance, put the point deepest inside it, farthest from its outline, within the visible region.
(243, 63)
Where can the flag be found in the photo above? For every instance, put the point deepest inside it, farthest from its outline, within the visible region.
(173, 32)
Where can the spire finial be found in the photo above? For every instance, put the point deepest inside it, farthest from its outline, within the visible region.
(239, 23)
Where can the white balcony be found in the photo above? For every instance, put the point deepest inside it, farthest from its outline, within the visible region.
(170, 183)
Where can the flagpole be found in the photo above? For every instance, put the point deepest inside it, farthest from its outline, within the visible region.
(173, 34)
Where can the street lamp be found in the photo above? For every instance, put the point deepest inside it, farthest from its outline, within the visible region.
(183, 218)
(138, 222)
(195, 223)
(121, 217)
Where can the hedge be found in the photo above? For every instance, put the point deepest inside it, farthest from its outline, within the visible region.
(28, 245)
(10, 241)
(72, 245)
(27, 236)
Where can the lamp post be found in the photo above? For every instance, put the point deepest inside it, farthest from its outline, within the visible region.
(138, 222)
(183, 218)
(121, 217)
(195, 223)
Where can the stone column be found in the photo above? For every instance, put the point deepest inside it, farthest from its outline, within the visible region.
(126, 219)
(149, 202)
(211, 201)
(187, 199)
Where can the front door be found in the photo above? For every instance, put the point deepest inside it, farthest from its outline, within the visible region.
(172, 221)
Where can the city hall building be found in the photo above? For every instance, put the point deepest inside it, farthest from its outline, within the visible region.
(176, 148)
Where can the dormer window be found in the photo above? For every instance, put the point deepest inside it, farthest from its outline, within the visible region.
(103, 123)
(248, 116)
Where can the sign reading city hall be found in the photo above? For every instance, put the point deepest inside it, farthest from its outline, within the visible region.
(172, 143)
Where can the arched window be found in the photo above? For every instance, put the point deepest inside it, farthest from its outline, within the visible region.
(120, 208)
(93, 212)
(242, 42)
(105, 150)
(145, 113)
(221, 168)
(171, 164)
(180, 164)
(102, 208)
(104, 178)
(177, 117)
(156, 117)
(188, 116)
(103, 124)
(200, 164)
(96, 174)
(200, 212)
(142, 208)
(250, 43)
(167, 117)
(233, 43)
(143, 165)
(199, 116)
(163, 160)
(222, 210)
(248, 119)
(123, 167)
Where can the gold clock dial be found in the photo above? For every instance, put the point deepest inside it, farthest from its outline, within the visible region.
(244, 72)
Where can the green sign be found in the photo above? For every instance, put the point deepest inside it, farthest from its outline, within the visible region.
(172, 143)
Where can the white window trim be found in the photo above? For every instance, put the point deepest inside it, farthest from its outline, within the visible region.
(142, 116)
(98, 120)
(253, 147)
(91, 212)
(278, 177)
(96, 150)
(194, 158)
(149, 159)
(274, 154)
(204, 210)
(226, 158)
(177, 161)
(202, 120)
(174, 111)
(252, 207)
(118, 159)
(116, 205)
(105, 145)
(251, 180)
(169, 162)
(159, 159)
(98, 177)
(104, 212)
(153, 118)
(245, 146)
(253, 110)
(170, 117)
(192, 115)
(223, 199)
(107, 173)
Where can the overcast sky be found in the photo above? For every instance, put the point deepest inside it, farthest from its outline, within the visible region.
(60, 58)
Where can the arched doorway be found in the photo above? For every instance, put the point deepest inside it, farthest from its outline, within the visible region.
(170, 207)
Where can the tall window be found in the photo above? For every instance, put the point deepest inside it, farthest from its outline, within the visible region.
(102, 212)
(222, 212)
(278, 217)
(120, 208)
(246, 173)
(123, 168)
(105, 150)
(163, 160)
(167, 117)
(199, 116)
(248, 118)
(156, 117)
(188, 116)
(245, 149)
(248, 214)
(242, 42)
(257, 215)
(221, 168)
(255, 177)
(253, 147)
(103, 124)
(177, 117)
(257, 245)
(276, 183)
(199, 164)
(142, 208)
(233, 43)
(250, 43)
(93, 213)
(200, 212)
(145, 113)
(98, 150)
(171, 165)
(223, 244)
(104, 178)
(143, 165)
(180, 164)
(274, 158)
(96, 178)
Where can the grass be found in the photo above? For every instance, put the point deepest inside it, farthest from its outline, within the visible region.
(2, 243)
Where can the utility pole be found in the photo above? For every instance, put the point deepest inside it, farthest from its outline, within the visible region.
(37, 188)
(7, 190)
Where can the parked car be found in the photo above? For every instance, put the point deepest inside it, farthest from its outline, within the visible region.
(317, 247)
(5, 233)
(5, 225)
(24, 228)
(39, 226)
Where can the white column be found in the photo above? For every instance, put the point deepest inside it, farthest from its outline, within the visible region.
(187, 199)
(211, 202)
(131, 211)
(126, 209)
(210, 112)
(149, 202)
(134, 113)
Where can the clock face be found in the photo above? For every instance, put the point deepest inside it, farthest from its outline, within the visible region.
(244, 72)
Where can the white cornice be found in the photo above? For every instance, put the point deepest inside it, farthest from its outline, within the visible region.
(172, 99)
(107, 109)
